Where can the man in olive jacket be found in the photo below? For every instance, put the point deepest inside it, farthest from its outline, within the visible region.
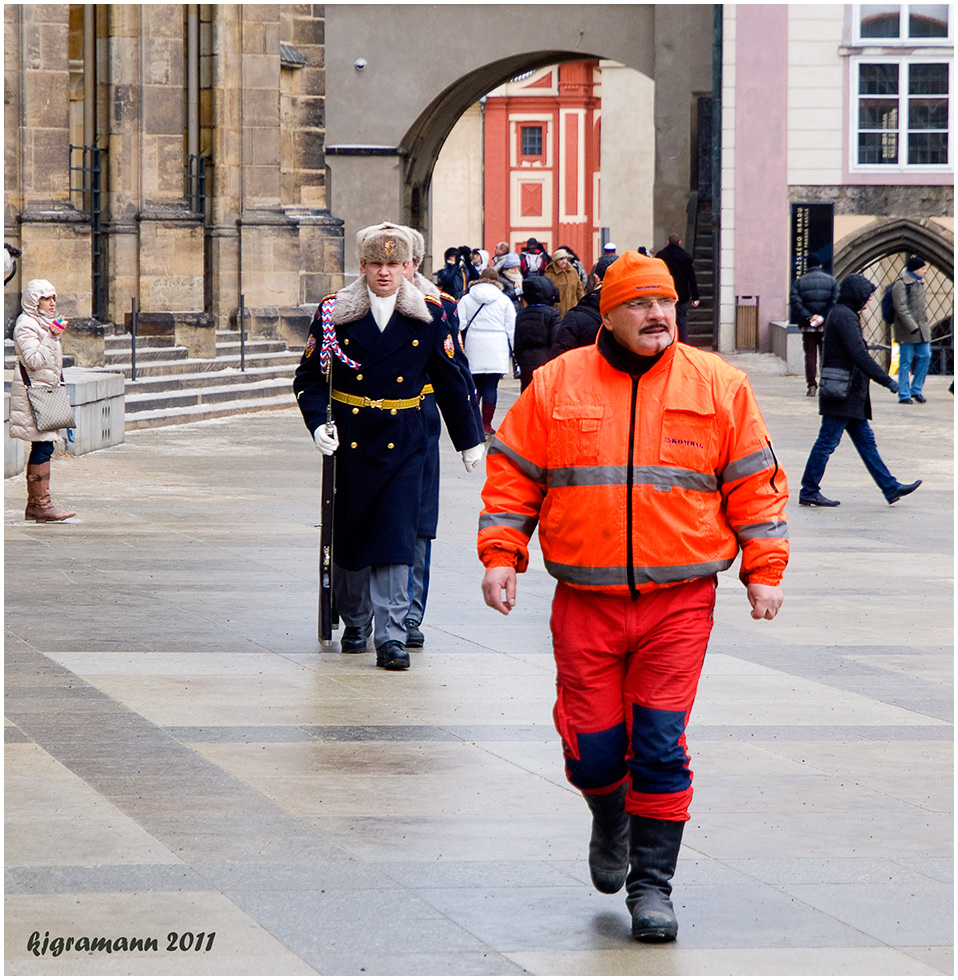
(911, 330)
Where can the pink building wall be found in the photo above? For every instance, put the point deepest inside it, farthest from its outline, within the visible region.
(761, 174)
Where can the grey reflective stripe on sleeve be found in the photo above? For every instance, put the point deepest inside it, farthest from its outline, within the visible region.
(748, 465)
(666, 477)
(521, 522)
(532, 471)
(767, 529)
(599, 577)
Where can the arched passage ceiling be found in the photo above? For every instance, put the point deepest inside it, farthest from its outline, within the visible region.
(423, 140)
(427, 62)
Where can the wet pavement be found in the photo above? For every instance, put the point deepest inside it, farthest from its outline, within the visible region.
(185, 762)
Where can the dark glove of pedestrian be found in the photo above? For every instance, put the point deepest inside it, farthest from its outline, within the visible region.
(893, 387)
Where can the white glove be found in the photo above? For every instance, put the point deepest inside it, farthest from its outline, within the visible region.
(471, 458)
(327, 439)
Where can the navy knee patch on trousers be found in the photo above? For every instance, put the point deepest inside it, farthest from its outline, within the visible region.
(659, 764)
(601, 759)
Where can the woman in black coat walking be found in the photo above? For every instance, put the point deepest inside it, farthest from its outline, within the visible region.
(844, 347)
(536, 325)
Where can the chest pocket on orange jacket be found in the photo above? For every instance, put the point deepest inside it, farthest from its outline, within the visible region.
(576, 431)
(688, 439)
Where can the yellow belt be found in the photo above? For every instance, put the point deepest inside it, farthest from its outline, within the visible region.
(386, 404)
(427, 389)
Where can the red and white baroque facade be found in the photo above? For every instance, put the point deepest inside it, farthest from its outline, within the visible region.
(541, 160)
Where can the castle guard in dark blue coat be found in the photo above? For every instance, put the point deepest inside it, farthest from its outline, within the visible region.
(384, 341)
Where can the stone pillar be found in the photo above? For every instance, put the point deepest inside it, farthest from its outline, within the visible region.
(171, 238)
(271, 237)
(54, 237)
(628, 157)
(220, 82)
(121, 132)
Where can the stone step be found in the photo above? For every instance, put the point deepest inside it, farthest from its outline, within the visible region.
(149, 403)
(145, 355)
(121, 341)
(154, 418)
(230, 375)
(187, 368)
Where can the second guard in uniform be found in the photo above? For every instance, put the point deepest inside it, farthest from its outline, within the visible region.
(386, 342)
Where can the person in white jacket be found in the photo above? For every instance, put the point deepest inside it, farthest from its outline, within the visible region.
(36, 339)
(487, 319)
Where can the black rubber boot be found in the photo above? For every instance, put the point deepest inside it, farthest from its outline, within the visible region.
(414, 635)
(392, 656)
(609, 847)
(354, 638)
(653, 854)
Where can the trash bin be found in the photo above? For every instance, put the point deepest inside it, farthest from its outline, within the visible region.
(746, 322)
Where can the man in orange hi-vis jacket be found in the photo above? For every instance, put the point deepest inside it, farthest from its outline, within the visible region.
(647, 466)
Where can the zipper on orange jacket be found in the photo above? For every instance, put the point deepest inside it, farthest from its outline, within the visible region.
(629, 556)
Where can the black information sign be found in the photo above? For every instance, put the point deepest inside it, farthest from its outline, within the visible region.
(812, 235)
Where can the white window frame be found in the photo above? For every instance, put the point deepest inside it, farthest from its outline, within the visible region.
(902, 167)
(900, 42)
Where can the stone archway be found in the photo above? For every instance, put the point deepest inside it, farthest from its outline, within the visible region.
(397, 79)
(886, 236)
(879, 252)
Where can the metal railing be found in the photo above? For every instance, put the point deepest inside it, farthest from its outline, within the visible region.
(86, 193)
(196, 183)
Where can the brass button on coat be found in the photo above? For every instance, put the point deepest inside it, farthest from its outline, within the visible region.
(359, 377)
(399, 379)
(415, 343)
(352, 445)
(391, 445)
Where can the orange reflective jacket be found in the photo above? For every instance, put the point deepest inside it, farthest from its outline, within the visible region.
(636, 483)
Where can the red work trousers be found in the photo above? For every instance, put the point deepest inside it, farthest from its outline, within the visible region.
(626, 675)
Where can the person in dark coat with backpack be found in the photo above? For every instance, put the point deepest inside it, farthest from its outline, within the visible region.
(536, 324)
(812, 297)
(533, 259)
(844, 348)
(580, 326)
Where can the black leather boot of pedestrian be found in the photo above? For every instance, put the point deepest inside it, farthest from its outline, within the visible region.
(414, 635)
(609, 847)
(392, 656)
(653, 854)
(354, 638)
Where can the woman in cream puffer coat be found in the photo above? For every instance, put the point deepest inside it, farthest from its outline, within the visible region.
(36, 338)
(487, 319)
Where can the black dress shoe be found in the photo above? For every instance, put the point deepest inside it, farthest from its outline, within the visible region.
(354, 638)
(414, 635)
(903, 491)
(921, 399)
(392, 656)
(905, 401)
(817, 500)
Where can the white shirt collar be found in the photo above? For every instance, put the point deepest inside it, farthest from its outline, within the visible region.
(381, 307)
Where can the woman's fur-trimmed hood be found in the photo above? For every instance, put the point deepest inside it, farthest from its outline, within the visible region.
(352, 302)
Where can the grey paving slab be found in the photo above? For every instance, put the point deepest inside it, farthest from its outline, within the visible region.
(180, 744)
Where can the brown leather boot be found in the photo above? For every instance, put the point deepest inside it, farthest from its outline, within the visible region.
(40, 507)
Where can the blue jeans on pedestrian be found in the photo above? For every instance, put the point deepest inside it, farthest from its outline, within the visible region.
(829, 436)
(921, 355)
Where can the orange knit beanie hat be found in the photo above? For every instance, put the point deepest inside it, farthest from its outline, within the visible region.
(633, 275)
